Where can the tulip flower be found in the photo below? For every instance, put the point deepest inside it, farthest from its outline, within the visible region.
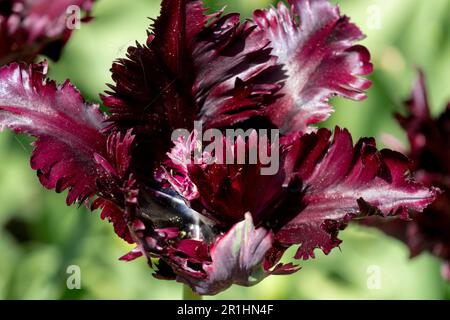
(198, 220)
(430, 154)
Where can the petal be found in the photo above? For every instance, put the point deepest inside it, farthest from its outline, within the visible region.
(132, 255)
(116, 216)
(236, 258)
(68, 130)
(236, 72)
(152, 90)
(319, 57)
(180, 21)
(342, 182)
(118, 189)
(152, 85)
(428, 137)
(418, 102)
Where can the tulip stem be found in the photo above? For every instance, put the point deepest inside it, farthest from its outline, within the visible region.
(188, 294)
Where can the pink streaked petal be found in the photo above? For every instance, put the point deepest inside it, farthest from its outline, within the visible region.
(236, 257)
(132, 255)
(320, 59)
(68, 130)
(343, 182)
(236, 72)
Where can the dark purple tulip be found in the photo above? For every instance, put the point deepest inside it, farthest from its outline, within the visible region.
(212, 225)
(429, 140)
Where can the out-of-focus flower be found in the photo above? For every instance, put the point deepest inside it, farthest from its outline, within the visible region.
(209, 224)
(32, 27)
(429, 140)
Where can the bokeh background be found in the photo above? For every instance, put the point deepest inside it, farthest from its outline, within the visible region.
(40, 237)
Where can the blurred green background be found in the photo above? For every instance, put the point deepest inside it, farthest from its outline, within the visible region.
(40, 237)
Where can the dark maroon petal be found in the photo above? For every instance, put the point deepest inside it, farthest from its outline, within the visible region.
(132, 255)
(119, 205)
(180, 21)
(227, 191)
(283, 269)
(272, 262)
(428, 137)
(418, 117)
(236, 73)
(417, 104)
(211, 68)
(118, 191)
(116, 216)
(152, 90)
(71, 151)
(119, 153)
(152, 86)
(236, 257)
(319, 57)
(29, 28)
(187, 258)
(342, 182)
(68, 129)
